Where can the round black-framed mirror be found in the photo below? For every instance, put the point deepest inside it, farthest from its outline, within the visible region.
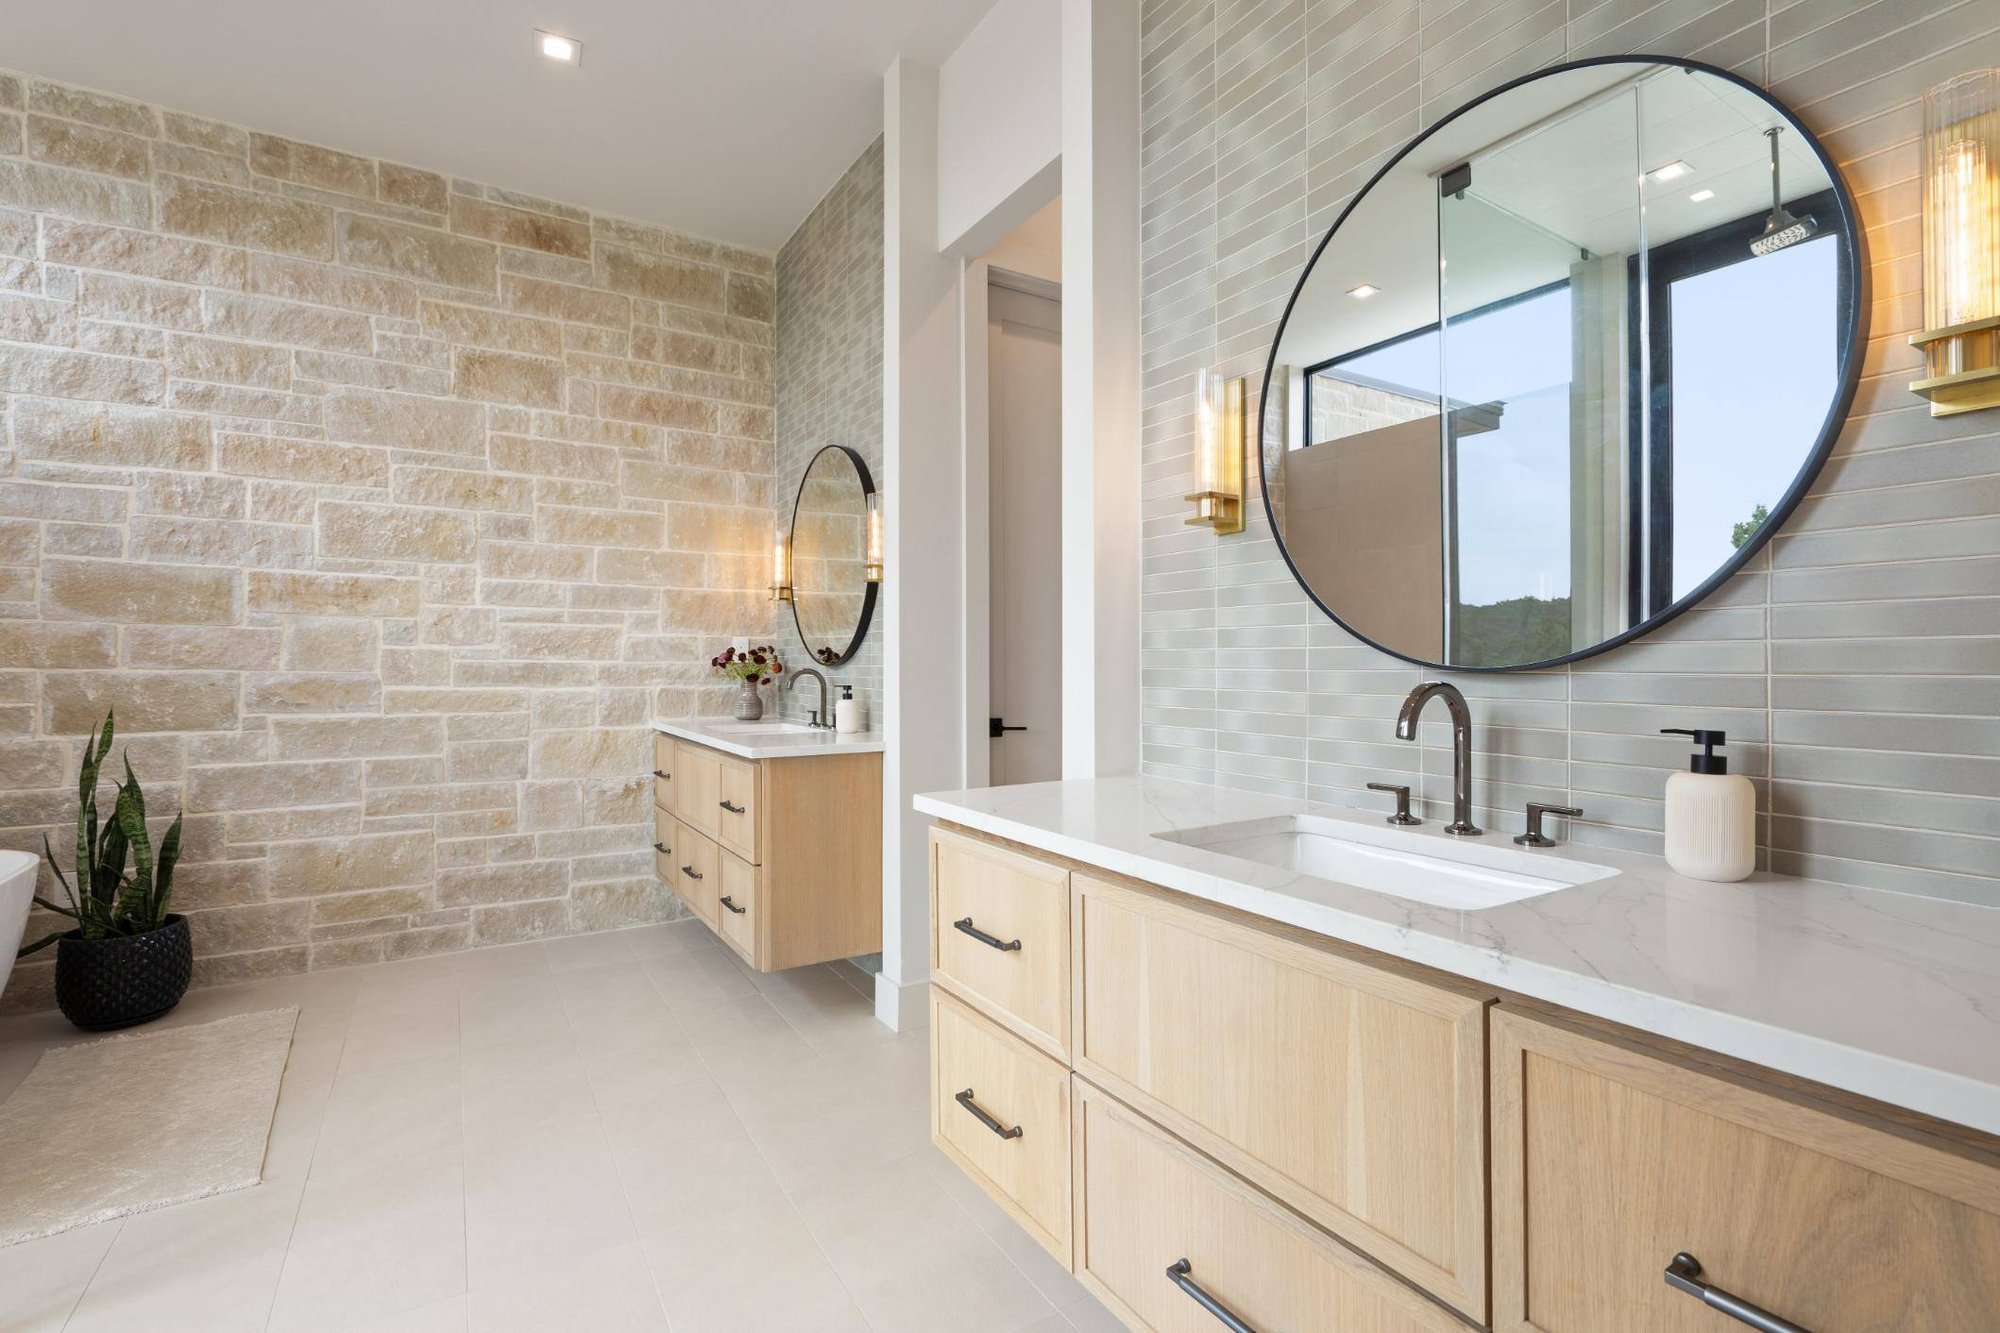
(833, 600)
(1563, 365)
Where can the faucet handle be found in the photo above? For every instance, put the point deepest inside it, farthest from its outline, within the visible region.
(1402, 795)
(1534, 837)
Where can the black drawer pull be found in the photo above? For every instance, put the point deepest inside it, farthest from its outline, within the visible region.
(965, 1099)
(690, 872)
(966, 927)
(730, 903)
(1178, 1273)
(664, 777)
(1684, 1274)
(732, 809)
(663, 849)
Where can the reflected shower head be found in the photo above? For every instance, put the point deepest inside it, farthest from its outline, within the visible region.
(1781, 229)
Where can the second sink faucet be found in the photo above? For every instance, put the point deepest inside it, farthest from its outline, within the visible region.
(821, 719)
(1461, 747)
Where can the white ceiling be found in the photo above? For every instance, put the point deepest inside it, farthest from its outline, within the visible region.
(723, 118)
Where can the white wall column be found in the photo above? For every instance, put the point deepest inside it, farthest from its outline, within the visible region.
(923, 722)
(1100, 394)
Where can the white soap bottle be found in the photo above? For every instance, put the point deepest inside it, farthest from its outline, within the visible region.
(847, 716)
(1711, 814)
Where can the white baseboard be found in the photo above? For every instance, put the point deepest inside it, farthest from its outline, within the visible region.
(902, 1007)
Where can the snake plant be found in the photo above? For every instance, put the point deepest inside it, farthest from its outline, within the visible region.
(107, 901)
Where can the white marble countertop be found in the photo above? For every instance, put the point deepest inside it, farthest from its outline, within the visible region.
(1887, 995)
(768, 739)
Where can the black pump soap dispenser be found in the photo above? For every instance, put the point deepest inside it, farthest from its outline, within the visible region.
(1711, 814)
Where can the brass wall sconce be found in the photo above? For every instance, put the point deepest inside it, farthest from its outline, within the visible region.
(873, 561)
(781, 565)
(1220, 412)
(1961, 340)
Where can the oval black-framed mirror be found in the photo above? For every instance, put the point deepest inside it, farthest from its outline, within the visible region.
(833, 600)
(1563, 365)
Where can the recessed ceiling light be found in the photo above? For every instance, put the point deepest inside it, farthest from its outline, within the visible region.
(562, 50)
(1673, 171)
(1701, 196)
(1364, 291)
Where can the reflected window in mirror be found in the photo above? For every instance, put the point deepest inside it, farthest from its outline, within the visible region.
(1560, 366)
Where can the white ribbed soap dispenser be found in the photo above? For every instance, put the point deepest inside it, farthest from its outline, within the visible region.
(1711, 814)
(847, 715)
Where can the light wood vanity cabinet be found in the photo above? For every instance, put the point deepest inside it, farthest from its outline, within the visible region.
(1354, 1094)
(1609, 1160)
(1000, 933)
(1001, 1111)
(1307, 1126)
(781, 858)
(695, 872)
(1148, 1204)
(1303, 1080)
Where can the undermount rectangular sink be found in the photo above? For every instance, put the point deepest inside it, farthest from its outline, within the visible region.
(1465, 876)
(762, 728)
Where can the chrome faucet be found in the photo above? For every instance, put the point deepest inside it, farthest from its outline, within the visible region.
(1461, 748)
(821, 719)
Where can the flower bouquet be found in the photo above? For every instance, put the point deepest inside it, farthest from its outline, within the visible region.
(751, 667)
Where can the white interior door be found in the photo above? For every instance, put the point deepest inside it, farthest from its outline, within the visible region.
(1024, 457)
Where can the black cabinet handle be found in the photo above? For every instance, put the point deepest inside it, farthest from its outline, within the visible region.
(1684, 1274)
(1179, 1272)
(663, 849)
(664, 777)
(965, 1099)
(732, 809)
(966, 927)
(730, 903)
(690, 872)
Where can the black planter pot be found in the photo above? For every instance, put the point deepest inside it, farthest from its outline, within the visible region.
(119, 982)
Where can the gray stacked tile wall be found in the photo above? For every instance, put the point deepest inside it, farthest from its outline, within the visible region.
(1855, 663)
(830, 378)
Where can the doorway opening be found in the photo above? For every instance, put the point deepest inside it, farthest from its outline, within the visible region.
(1023, 366)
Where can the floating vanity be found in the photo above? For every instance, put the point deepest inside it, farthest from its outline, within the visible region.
(771, 833)
(1561, 1089)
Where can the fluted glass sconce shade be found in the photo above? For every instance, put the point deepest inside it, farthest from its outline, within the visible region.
(1219, 407)
(873, 561)
(1961, 341)
(781, 565)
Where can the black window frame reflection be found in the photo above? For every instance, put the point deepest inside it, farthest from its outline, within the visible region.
(1447, 420)
(1649, 435)
(1650, 568)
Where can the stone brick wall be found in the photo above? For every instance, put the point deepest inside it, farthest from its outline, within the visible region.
(385, 509)
(829, 380)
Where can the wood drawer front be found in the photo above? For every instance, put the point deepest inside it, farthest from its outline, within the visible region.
(1609, 1160)
(663, 771)
(1009, 898)
(1353, 1094)
(736, 815)
(697, 873)
(697, 787)
(736, 905)
(1019, 1088)
(666, 838)
(1146, 1201)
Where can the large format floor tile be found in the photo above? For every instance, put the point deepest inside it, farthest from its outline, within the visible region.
(628, 1131)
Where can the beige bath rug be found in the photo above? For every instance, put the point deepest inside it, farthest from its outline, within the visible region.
(139, 1121)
